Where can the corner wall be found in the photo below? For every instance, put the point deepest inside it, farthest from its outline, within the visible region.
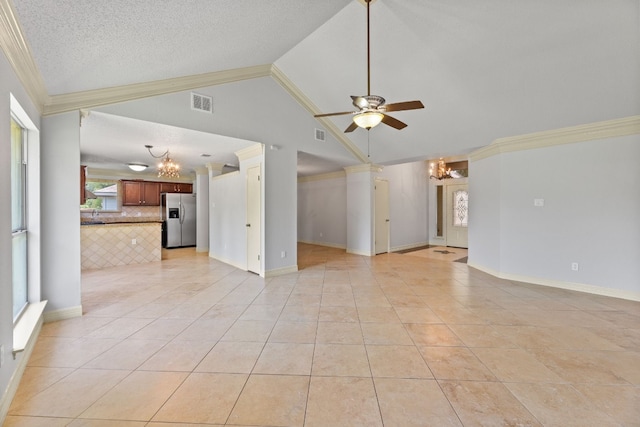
(590, 215)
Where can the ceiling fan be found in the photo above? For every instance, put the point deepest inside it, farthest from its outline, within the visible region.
(372, 108)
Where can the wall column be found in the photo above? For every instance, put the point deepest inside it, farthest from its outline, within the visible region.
(202, 209)
(213, 170)
(360, 209)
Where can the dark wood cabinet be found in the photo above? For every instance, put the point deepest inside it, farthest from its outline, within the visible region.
(140, 193)
(83, 183)
(147, 193)
(175, 187)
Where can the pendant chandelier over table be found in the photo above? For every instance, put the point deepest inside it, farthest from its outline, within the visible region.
(167, 168)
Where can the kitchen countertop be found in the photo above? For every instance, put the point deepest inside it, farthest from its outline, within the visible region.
(107, 221)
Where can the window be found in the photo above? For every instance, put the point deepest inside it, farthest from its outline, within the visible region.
(460, 208)
(19, 216)
(101, 195)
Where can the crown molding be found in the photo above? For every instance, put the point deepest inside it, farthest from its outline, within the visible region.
(323, 176)
(94, 98)
(303, 100)
(369, 167)
(249, 152)
(587, 132)
(18, 53)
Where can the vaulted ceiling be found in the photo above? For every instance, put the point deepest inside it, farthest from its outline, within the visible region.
(483, 70)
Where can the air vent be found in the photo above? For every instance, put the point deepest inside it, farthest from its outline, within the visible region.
(201, 103)
(320, 135)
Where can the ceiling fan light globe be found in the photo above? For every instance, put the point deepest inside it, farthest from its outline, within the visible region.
(368, 119)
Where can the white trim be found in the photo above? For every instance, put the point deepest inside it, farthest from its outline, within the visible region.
(229, 262)
(303, 100)
(410, 246)
(324, 176)
(14, 381)
(281, 271)
(98, 97)
(587, 132)
(63, 314)
(26, 324)
(250, 152)
(369, 167)
(327, 244)
(114, 174)
(15, 47)
(571, 286)
(363, 253)
(225, 175)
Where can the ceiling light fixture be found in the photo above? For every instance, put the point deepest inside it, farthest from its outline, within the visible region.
(368, 119)
(441, 172)
(138, 167)
(167, 167)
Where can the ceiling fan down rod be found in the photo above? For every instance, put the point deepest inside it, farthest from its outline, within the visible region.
(368, 53)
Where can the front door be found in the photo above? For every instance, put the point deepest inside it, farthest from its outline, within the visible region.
(381, 219)
(457, 212)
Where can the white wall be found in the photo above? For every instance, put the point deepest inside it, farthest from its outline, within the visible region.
(9, 84)
(280, 203)
(60, 172)
(484, 212)
(202, 209)
(590, 215)
(408, 200)
(322, 211)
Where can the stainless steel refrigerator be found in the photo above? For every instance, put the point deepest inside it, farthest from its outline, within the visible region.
(178, 219)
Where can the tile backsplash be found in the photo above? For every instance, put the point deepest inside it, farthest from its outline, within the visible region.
(133, 212)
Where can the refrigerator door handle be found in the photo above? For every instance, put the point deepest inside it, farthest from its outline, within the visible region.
(181, 213)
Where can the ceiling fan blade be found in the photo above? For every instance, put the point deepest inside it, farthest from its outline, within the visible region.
(334, 114)
(360, 102)
(394, 123)
(353, 126)
(400, 106)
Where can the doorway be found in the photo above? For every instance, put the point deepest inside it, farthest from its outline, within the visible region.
(381, 219)
(457, 215)
(253, 219)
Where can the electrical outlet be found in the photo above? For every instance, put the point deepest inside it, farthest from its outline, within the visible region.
(575, 266)
(538, 203)
(134, 241)
(283, 254)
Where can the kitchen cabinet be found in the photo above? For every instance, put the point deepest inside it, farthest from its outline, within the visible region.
(175, 187)
(140, 193)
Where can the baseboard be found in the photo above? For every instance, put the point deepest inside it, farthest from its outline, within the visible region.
(14, 382)
(229, 262)
(411, 246)
(570, 286)
(63, 314)
(281, 271)
(363, 253)
(327, 244)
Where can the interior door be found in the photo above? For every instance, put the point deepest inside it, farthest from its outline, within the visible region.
(382, 223)
(457, 212)
(253, 219)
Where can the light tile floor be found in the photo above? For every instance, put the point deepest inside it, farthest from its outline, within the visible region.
(392, 340)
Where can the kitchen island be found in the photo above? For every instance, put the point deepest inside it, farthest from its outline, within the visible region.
(108, 244)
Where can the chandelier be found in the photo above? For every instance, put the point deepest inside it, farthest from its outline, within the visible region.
(167, 168)
(441, 172)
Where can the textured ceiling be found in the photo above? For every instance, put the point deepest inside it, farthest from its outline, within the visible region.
(483, 70)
